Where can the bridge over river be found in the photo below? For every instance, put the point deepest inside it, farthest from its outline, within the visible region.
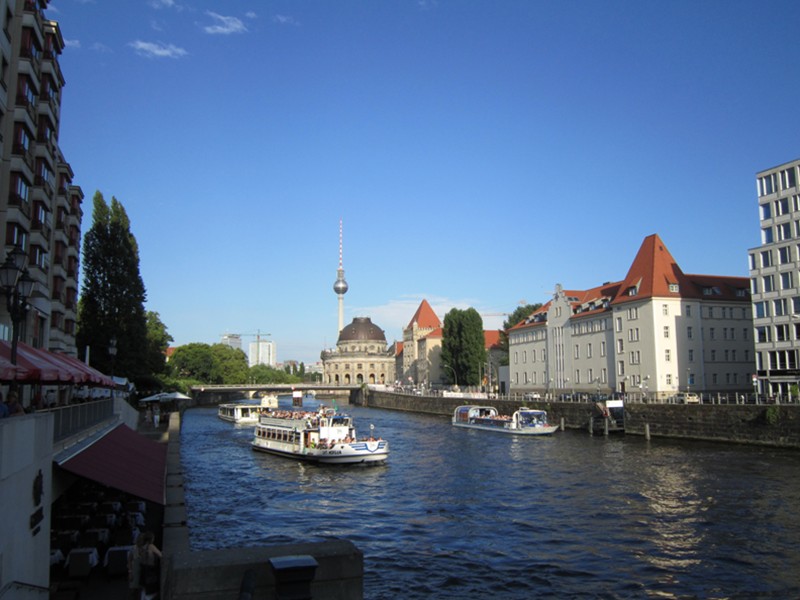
(216, 394)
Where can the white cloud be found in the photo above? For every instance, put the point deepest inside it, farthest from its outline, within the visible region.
(251, 15)
(72, 43)
(100, 47)
(164, 4)
(284, 20)
(224, 25)
(157, 49)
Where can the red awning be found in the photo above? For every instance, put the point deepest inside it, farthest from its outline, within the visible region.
(39, 365)
(90, 375)
(9, 372)
(36, 367)
(126, 461)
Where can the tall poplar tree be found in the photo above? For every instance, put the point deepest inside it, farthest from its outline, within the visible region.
(111, 306)
(463, 346)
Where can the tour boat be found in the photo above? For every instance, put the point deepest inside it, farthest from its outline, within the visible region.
(243, 414)
(324, 436)
(525, 421)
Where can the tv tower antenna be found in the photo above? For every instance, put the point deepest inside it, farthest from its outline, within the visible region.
(340, 286)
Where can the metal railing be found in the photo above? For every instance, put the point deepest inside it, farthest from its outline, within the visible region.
(75, 418)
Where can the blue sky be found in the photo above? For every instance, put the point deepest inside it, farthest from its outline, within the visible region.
(477, 152)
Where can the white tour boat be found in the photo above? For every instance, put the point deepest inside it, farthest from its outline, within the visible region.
(243, 414)
(324, 436)
(525, 421)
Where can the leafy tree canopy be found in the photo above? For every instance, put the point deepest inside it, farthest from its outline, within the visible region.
(463, 346)
(111, 306)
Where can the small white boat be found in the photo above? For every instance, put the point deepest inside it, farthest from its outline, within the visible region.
(324, 436)
(243, 414)
(525, 421)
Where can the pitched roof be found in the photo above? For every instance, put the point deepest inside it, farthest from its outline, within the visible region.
(491, 338)
(652, 274)
(425, 318)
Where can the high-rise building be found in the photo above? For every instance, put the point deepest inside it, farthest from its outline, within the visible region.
(234, 340)
(40, 207)
(775, 281)
(261, 352)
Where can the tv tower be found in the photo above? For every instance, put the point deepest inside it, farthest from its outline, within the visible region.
(340, 287)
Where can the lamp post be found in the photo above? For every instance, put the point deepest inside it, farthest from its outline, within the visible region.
(112, 352)
(17, 287)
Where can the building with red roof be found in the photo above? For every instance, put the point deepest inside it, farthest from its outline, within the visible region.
(655, 333)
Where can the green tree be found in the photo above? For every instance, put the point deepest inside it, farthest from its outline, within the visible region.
(193, 361)
(267, 374)
(112, 299)
(230, 365)
(520, 313)
(158, 340)
(463, 346)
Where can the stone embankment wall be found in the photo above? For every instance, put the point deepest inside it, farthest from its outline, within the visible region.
(769, 425)
(218, 574)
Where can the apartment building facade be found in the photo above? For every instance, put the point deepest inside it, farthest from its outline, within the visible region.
(40, 207)
(655, 333)
(775, 281)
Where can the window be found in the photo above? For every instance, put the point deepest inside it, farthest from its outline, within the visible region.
(785, 255)
(762, 310)
(784, 231)
(766, 185)
(766, 211)
(674, 288)
(602, 348)
(666, 331)
(620, 346)
(763, 334)
(621, 368)
(769, 283)
(786, 280)
(779, 306)
(787, 178)
(766, 235)
(689, 332)
(754, 285)
(711, 333)
(667, 355)
(669, 379)
(619, 324)
(665, 309)
(588, 351)
(782, 333)
(781, 206)
(691, 355)
(524, 357)
(688, 310)
(577, 351)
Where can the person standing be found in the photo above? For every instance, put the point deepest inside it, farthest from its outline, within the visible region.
(14, 406)
(3, 407)
(144, 573)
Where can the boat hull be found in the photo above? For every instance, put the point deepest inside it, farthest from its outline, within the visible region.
(341, 454)
(546, 430)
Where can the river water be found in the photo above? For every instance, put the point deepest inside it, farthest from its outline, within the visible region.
(468, 514)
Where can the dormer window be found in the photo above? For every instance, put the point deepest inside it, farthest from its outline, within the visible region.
(674, 288)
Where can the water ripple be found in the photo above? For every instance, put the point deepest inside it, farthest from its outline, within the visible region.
(466, 514)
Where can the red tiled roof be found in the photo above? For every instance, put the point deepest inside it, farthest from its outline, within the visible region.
(425, 318)
(491, 338)
(436, 333)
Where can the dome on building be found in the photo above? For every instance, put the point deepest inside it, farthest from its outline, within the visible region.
(362, 329)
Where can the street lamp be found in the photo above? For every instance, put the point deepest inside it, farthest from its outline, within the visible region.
(112, 352)
(17, 287)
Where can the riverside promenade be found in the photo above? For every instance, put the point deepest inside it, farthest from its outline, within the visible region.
(775, 425)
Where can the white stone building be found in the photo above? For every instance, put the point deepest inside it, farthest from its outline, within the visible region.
(653, 334)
